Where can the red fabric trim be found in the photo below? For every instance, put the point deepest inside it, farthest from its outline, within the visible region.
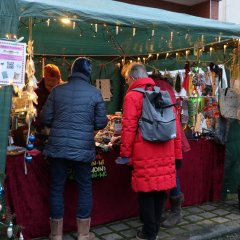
(28, 195)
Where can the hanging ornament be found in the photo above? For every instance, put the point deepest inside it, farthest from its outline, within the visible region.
(29, 146)
(3, 217)
(21, 236)
(48, 22)
(95, 27)
(178, 84)
(31, 138)
(28, 158)
(1, 191)
(134, 31)
(153, 33)
(10, 230)
(0, 207)
(171, 36)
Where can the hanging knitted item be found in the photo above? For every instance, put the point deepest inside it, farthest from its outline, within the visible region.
(216, 112)
(192, 104)
(199, 123)
(213, 83)
(198, 79)
(207, 90)
(190, 85)
(211, 109)
(186, 77)
(184, 112)
(208, 110)
(178, 83)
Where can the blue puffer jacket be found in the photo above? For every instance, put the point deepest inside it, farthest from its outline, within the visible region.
(73, 111)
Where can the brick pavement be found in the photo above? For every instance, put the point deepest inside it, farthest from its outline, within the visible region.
(208, 221)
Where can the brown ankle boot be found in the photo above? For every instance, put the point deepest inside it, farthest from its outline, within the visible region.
(83, 226)
(56, 229)
(175, 216)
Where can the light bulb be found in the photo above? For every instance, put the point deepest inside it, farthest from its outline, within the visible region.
(66, 20)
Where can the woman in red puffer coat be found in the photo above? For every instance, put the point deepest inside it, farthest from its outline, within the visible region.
(153, 163)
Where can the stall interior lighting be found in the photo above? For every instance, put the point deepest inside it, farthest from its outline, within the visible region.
(66, 20)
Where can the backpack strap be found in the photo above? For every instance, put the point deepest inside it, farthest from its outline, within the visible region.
(139, 90)
(154, 88)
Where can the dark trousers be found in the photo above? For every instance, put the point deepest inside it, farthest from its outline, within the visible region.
(83, 178)
(150, 208)
(174, 192)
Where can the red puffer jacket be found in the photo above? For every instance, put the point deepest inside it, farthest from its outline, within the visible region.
(153, 163)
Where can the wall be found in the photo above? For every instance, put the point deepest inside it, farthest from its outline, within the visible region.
(200, 10)
(229, 11)
(159, 4)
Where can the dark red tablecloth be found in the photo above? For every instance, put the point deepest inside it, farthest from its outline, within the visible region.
(28, 195)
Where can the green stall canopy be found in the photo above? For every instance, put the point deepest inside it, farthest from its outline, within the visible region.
(109, 28)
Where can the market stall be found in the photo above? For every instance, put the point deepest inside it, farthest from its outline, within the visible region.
(111, 35)
(113, 198)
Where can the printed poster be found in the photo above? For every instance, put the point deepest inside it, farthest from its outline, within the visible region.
(12, 63)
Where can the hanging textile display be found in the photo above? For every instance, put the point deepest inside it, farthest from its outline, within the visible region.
(104, 85)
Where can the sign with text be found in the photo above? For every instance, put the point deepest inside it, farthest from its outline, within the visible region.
(12, 63)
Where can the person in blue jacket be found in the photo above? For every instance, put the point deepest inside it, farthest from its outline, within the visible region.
(73, 111)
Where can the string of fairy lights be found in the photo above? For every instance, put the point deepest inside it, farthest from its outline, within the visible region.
(111, 32)
(167, 40)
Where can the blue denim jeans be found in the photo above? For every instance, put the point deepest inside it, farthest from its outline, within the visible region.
(84, 184)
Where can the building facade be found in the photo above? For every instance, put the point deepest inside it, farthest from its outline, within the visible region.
(229, 11)
(200, 8)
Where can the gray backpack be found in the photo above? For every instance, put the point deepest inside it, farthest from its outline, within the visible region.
(158, 121)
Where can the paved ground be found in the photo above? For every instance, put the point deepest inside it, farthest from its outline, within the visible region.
(214, 220)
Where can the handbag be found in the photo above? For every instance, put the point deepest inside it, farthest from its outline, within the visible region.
(229, 103)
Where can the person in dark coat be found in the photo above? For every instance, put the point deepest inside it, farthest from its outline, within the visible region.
(73, 111)
(51, 78)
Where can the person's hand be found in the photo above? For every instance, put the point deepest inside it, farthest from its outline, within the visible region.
(116, 140)
(122, 160)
